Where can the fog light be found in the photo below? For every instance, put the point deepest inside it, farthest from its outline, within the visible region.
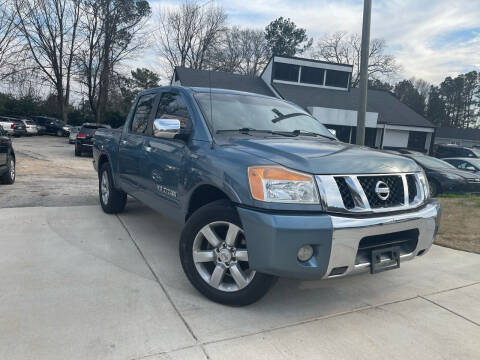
(305, 253)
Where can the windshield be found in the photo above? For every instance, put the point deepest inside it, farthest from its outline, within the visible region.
(476, 152)
(431, 162)
(475, 162)
(233, 111)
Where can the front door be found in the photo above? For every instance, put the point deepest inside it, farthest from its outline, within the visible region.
(166, 158)
(132, 155)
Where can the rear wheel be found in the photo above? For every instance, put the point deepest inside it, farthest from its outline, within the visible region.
(113, 201)
(9, 177)
(214, 256)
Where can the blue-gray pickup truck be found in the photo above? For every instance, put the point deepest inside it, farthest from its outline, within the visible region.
(263, 190)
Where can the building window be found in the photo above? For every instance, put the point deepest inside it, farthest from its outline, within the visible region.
(311, 75)
(416, 140)
(337, 78)
(286, 72)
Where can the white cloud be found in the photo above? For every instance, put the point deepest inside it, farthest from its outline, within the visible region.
(418, 32)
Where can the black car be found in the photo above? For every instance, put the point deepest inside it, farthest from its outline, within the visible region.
(454, 151)
(84, 140)
(7, 159)
(445, 178)
(467, 164)
(52, 126)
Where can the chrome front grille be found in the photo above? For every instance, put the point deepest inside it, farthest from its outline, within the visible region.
(363, 193)
(395, 184)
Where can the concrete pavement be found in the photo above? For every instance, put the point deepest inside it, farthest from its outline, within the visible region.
(79, 284)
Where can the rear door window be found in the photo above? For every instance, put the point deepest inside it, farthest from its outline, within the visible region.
(142, 114)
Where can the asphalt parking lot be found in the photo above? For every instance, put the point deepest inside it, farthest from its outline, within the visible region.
(79, 284)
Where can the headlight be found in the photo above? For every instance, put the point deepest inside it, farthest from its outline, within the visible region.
(453, 177)
(424, 183)
(278, 184)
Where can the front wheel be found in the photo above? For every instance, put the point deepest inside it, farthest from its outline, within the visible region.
(214, 256)
(113, 201)
(9, 177)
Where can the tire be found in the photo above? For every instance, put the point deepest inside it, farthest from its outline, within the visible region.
(236, 284)
(59, 133)
(9, 177)
(78, 152)
(434, 188)
(113, 201)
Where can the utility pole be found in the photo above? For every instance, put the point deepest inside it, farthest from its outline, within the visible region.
(362, 108)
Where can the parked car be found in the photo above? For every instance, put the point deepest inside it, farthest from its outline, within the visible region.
(30, 127)
(7, 124)
(19, 128)
(445, 178)
(450, 151)
(264, 190)
(467, 164)
(84, 139)
(7, 159)
(52, 126)
(74, 130)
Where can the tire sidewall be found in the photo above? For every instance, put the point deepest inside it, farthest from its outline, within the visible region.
(218, 211)
(7, 177)
(105, 168)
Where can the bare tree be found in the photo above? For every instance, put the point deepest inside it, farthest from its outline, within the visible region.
(422, 86)
(345, 49)
(113, 32)
(49, 29)
(10, 43)
(187, 34)
(243, 51)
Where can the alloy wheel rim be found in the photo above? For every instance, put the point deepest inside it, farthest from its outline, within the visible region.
(221, 258)
(12, 169)
(105, 188)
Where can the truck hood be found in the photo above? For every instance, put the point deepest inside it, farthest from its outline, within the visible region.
(323, 156)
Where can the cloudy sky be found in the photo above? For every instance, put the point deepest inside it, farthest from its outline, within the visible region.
(431, 39)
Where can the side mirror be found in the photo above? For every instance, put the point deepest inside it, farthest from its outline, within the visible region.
(166, 128)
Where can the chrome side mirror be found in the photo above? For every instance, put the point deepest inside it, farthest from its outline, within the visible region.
(166, 128)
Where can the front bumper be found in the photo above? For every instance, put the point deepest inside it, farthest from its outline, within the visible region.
(274, 239)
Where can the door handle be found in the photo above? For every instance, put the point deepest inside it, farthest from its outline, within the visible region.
(148, 148)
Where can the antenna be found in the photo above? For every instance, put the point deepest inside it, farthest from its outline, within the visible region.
(211, 106)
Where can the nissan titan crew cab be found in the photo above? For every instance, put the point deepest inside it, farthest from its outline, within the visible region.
(263, 189)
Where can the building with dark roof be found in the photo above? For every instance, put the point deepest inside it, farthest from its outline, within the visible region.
(323, 89)
(462, 137)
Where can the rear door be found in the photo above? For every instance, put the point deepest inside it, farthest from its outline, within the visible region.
(166, 157)
(132, 155)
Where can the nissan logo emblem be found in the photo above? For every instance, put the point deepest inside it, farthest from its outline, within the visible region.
(382, 190)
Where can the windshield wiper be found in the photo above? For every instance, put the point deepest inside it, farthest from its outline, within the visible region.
(249, 130)
(288, 116)
(311, 133)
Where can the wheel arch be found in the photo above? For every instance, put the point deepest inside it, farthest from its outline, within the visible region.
(205, 194)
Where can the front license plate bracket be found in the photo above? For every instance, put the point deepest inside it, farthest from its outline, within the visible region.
(384, 259)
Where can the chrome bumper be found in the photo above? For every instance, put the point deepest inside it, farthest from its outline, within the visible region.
(347, 233)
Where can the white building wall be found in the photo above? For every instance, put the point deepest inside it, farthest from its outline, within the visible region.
(395, 138)
(342, 117)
